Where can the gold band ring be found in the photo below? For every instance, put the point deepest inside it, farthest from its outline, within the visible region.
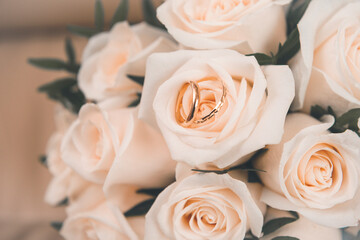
(190, 119)
(194, 106)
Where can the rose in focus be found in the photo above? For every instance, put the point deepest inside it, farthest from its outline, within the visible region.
(204, 206)
(238, 106)
(314, 172)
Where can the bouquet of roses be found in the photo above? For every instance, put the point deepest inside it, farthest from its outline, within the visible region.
(221, 119)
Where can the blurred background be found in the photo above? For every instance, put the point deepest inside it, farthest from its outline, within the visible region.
(34, 28)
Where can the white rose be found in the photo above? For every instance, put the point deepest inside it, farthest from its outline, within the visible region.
(90, 216)
(64, 181)
(328, 63)
(110, 56)
(302, 228)
(255, 102)
(244, 25)
(314, 172)
(204, 206)
(108, 136)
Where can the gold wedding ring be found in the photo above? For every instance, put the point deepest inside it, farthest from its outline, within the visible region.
(194, 106)
(190, 119)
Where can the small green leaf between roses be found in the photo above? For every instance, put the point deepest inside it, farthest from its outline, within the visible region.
(65, 91)
(140, 209)
(82, 31)
(120, 13)
(348, 120)
(54, 64)
(285, 51)
(136, 102)
(289, 49)
(295, 13)
(48, 63)
(99, 16)
(63, 202)
(294, 214)
(284, 238)
(137, 79)
(348, 236)
(149, 12)
(70, 52)
(43, 160)
(291, 46)
(274, 224)
(264, 59)
(154, 192)
(57, 225)
(244, 167)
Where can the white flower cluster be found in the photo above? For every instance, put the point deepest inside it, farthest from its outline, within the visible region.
(210, 107)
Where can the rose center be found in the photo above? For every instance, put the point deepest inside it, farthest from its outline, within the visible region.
(319, 172)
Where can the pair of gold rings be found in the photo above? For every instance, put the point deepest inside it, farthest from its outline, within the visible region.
(190, 119)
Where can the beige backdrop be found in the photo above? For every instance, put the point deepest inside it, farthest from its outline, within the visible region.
(33, 28)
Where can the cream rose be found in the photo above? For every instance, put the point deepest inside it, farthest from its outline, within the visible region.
(251, 104)
(110, 56)
(302, 228)
(105, 140)
(90, 216)
(244, 25)
(204, 206)
(328, 63)
(314, 172)
(64, 181)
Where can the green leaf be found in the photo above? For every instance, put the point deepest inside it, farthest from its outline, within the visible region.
(244, 167)
(294, 214)
(57, 225)
(317, 111)
(65, 91)
(43, 160)
(73, 68)
(48, 63)
(295, 13)
(264, 59)
(54, 64)
(253, 177)
(350, 118)
(224, 171)
(149, 12)
(154, 192)
(136, 102)
(121, 12)
(140, 209)
(285, 52)
(99, 15)
(285, 238)
(137, 79)
(63, 202)
(70, 52)
(274, 224)
(82, 31)
(58, 84)
(289, 49)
